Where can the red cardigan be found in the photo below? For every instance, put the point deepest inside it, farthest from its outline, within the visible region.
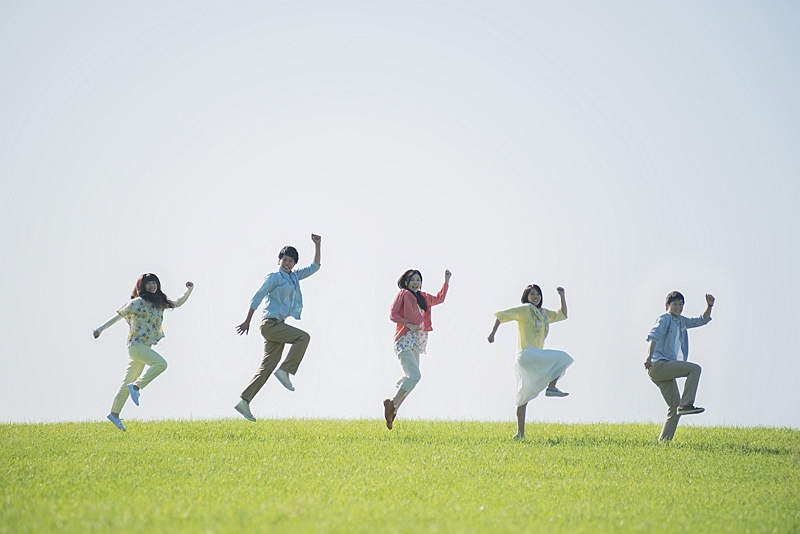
(406, 310)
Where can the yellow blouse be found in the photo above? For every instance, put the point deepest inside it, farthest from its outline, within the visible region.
(533, 324)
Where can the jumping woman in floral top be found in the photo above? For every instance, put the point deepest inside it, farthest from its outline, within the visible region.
(144, 314)
(411, 311)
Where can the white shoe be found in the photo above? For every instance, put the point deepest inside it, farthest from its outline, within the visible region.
(134, 394)
(283, 378)
(554, 392)
(243, 407)
(117, 422)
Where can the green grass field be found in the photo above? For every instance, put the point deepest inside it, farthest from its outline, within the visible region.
(356, 476)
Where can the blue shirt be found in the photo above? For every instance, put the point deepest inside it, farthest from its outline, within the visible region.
(282, 291)
(670, 336)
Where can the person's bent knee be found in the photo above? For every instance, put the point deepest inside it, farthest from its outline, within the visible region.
(411, 381)
(304, 337)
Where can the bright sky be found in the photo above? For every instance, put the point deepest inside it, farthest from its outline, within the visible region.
(621, 150)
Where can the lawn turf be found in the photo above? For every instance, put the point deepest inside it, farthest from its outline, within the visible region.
(423, 476)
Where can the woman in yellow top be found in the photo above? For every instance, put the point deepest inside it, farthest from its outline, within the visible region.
(536, 367)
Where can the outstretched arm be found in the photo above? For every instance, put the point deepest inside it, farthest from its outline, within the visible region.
(563, 300)
(96, 333)
(244, 328)
(494, 331)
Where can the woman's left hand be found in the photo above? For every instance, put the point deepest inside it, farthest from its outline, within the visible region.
(447, 275)
(560, 290)
(189, 284)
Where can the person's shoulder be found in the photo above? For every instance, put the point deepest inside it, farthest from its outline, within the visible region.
(137, 303)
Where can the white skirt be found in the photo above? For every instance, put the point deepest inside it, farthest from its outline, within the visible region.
(536, 368)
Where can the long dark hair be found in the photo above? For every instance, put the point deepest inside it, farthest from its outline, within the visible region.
(157, 299)
(402, 283)
(527, 292)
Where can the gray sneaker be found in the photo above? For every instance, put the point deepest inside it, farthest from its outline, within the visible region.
(554, 392)
(283, 378)
(243, 407)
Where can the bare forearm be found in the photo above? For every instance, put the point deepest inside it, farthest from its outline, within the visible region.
(707, 313)
(564, 305)
(317, 247)
(495, 327)
(494, 330)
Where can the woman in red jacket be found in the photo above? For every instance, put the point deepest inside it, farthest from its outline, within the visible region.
(411, 311)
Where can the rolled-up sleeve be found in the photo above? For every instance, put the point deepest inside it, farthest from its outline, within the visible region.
(694, 322)
(511, 314)
(658, 330)
(305, 272)
(269, 284)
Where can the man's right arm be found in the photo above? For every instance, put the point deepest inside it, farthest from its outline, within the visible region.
(648, 363)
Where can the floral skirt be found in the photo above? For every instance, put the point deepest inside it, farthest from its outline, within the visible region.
(416, 341)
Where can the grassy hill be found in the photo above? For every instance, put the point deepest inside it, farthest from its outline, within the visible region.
(423, 476)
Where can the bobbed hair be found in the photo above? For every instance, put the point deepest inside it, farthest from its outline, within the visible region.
(672, 297)
(402, 283)
(527, 291)
(157, 299)
(289, 251)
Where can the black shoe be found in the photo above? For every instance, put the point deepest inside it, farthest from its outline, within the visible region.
(688, 410)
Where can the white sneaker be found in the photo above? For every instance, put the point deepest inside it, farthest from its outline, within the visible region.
(134, 394)
(117, 422)
(243, 407)
(554, 392)
(283, 378)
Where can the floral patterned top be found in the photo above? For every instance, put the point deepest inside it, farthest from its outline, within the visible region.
(144, 320)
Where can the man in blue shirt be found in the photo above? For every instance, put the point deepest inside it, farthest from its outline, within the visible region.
(281, 289)
(668, 340)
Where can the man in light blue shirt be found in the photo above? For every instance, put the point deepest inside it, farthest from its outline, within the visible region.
(668, 342)
(281, 290)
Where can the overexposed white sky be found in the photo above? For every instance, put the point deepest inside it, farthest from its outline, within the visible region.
(622, 150)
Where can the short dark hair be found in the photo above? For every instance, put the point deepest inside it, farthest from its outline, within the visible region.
(672, 297)
(527, 292)
(289, 251)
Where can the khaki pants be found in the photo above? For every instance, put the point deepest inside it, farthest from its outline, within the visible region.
(663, 374)
(276, 334)
(140, 355)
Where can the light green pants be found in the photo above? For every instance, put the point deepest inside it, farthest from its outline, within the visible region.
(140, 355)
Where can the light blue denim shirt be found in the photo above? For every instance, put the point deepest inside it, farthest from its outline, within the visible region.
(282, 292)
(667, 329)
